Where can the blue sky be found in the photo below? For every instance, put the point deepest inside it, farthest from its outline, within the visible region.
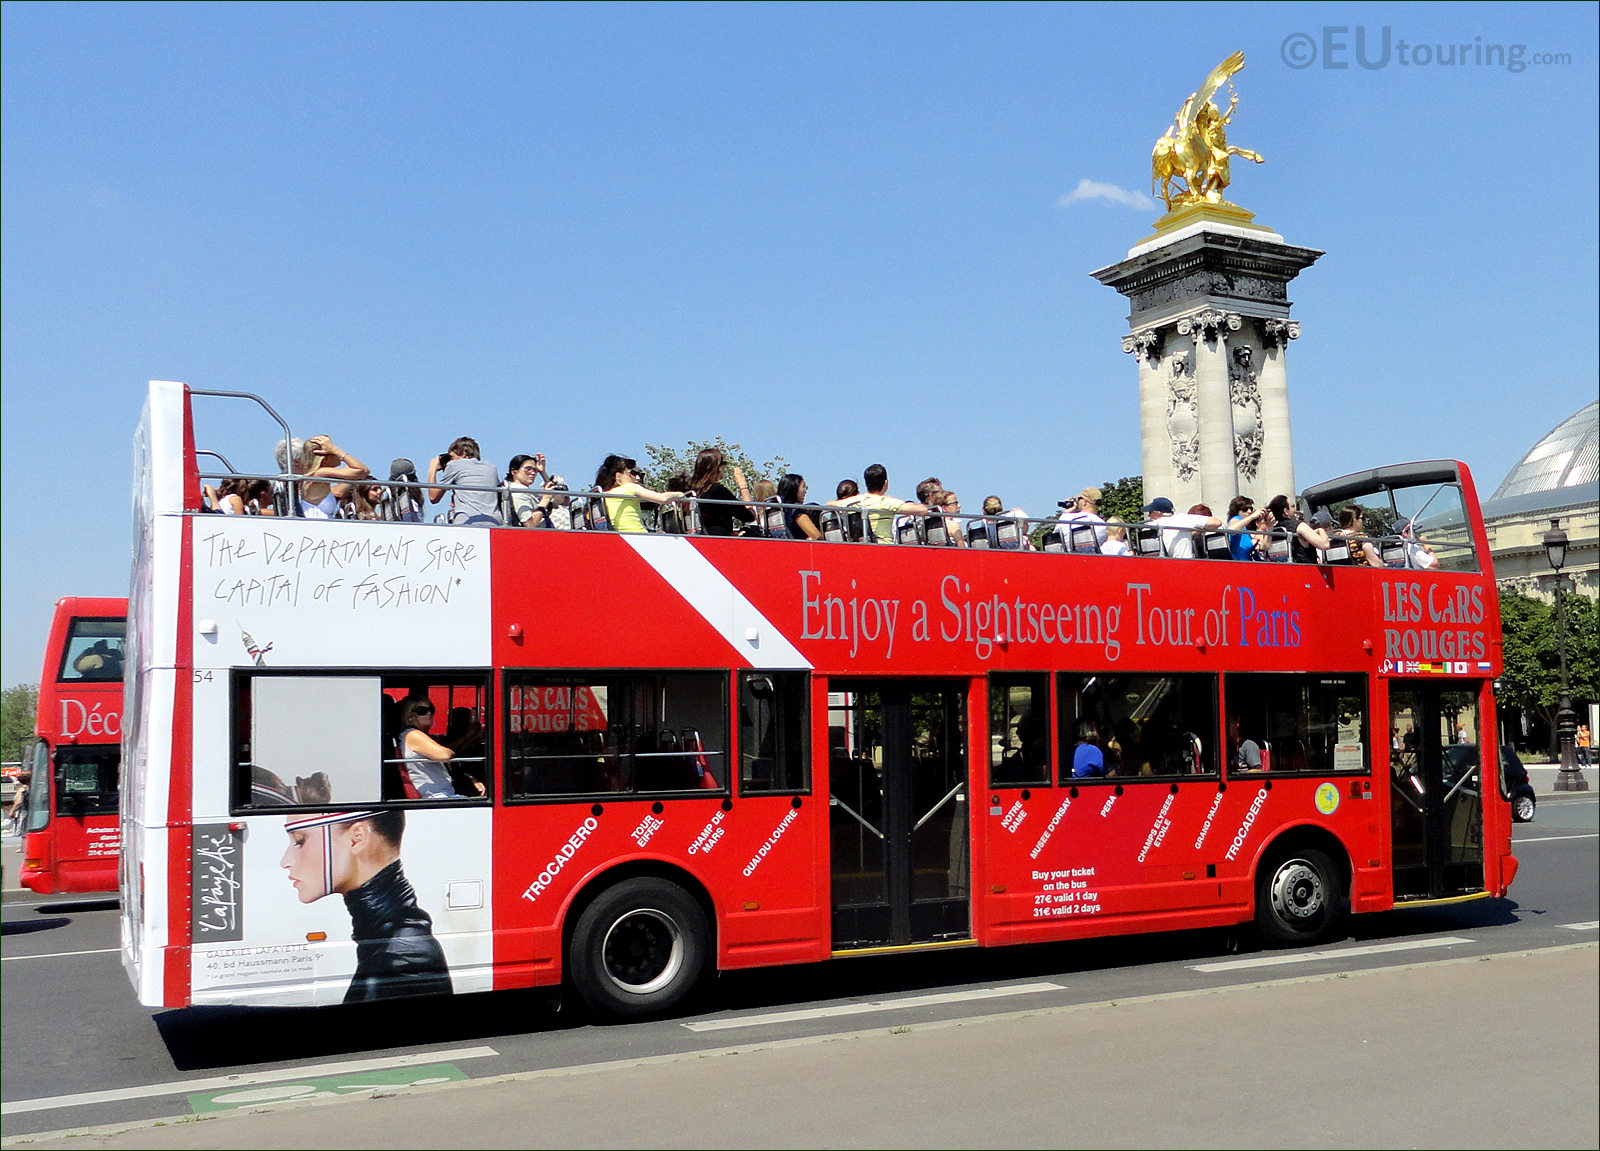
(830, 232)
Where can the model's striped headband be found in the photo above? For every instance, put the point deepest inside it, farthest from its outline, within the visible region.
(326, 822)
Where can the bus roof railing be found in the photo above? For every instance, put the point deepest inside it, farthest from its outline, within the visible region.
(1028, 525)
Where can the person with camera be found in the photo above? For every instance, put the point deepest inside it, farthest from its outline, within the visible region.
(476, 502)
(1082, 511)
(528, 503)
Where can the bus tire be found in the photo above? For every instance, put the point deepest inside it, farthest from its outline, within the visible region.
(1299, 897)
(639, 948)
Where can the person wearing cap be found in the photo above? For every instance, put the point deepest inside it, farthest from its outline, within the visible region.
(1418, 554)
(356, 854)
(1082, 509)
(1304, 540)
(1177, 531)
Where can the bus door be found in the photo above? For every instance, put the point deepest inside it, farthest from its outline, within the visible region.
(1435, 785)
(897, 812)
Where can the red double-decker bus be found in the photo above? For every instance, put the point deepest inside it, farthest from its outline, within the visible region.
(71, 823)
(673, 755)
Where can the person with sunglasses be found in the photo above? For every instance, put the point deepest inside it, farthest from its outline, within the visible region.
(425, 760)
(618, 480)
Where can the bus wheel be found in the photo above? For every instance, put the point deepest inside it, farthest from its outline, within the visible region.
(639, 948)
(1299, 897)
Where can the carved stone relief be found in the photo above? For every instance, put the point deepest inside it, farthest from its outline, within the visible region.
(1244, 392)
(1183, 417)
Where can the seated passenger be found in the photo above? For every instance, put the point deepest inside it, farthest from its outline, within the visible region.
(717, 517)
(1116, 538)
(1243, 517)
(1304, 540)
(1177, 539)
(1243, 754)
(880, 506)
(929, 488)
(406, 501)
(425, 760)
(225, 498)
(948, 507)
(258, 497)
(1419, 555)
(799, 521)
(478, 504)
(558, 512)
(763, 492)
(1087, 758)
(529, 505)
(618, 479)
(1012, 536)
(320, 459)
(1363, 551)
(1083, 510)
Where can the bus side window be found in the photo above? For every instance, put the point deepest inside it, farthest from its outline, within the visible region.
(774, 755)
(1019, 729)
(1146, 726)
(1311, 723)
(592, 733)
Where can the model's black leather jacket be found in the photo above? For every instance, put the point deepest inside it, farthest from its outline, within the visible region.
(396, 953)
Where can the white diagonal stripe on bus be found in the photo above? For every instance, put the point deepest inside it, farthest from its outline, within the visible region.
(719, 603)
(1332, 953)
(877, 1005)
(219, 1082)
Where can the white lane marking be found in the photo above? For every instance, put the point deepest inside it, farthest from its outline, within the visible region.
(65, 954)
(1554, 838)
(1332, 953)
(719, 603)
(876, 1005)
(1589, 926)
(217, 1082)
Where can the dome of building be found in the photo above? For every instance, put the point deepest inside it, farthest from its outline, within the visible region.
(1561, 470)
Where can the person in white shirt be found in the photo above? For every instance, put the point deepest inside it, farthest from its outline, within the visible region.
(1083, 510)
(1177, 531)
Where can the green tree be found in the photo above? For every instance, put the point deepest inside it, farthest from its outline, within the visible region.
(1531, 673)
(19, 706)
(666, 462)
(1123, 498)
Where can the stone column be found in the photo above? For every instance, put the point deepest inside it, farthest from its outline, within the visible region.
(1214, 407)
(1277, 452)
(1147, 347)
(1208, 322)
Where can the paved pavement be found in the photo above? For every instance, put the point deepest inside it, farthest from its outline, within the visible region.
(1485, 1052)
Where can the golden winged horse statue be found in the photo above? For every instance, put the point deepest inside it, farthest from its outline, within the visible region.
(1196, 149)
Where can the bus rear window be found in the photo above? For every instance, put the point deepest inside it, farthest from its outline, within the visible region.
(86, 780)
(93, 651)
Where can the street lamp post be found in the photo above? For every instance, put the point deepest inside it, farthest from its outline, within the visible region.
(1570, 777)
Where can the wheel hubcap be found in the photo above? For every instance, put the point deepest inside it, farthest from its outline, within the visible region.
(1297, 892)
(643, 951)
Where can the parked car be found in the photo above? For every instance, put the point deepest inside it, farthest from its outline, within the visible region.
(1514, 783)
